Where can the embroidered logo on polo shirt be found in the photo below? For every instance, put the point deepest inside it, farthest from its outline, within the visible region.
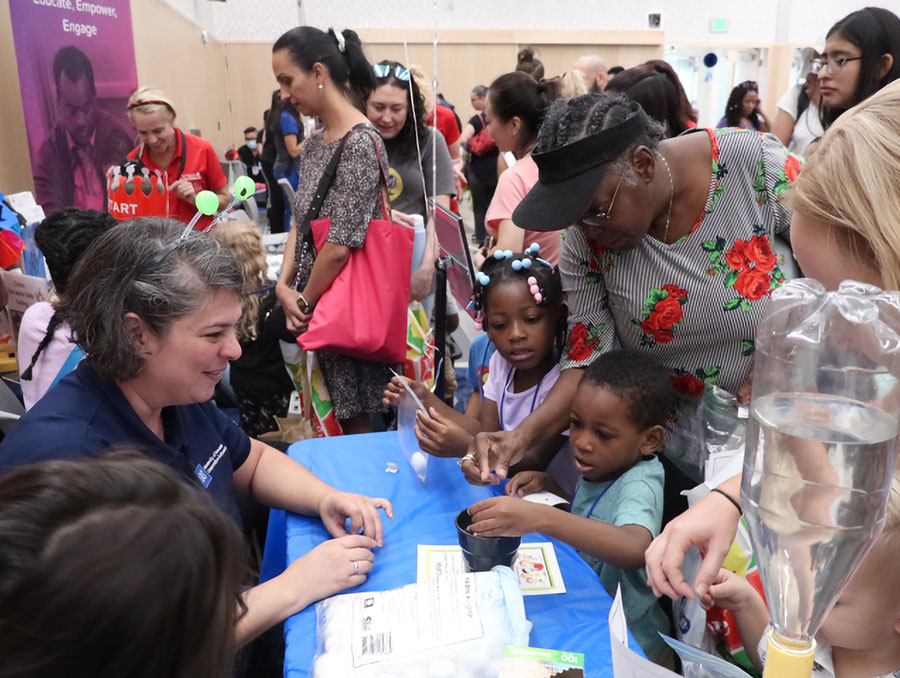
(192, 176)
(204, 473)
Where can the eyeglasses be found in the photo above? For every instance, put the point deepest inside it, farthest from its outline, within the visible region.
(832, 65)
(384, 70)
(603, 216)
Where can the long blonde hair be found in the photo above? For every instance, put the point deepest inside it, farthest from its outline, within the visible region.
(852, 181)
(243, 241)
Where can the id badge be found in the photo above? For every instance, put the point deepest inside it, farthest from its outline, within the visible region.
(203, 476)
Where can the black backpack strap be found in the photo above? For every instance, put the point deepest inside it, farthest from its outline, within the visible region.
(183, 155)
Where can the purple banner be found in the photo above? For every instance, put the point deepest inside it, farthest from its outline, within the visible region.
(76, 72)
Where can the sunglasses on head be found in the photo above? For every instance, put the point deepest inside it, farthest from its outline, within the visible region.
(384, 70)
(750, 84)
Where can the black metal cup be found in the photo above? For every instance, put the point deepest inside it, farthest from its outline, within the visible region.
(483, 553)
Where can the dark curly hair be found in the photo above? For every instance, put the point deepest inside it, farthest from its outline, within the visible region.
(504, 269)
(638, 378)
(62, 238)
(569, 120)
(734, 109)
(403, 146)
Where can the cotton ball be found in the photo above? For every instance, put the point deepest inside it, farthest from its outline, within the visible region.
(418, 461)
(329, 665)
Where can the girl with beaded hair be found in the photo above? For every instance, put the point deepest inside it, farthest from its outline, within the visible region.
(666, 249)
(519, 302)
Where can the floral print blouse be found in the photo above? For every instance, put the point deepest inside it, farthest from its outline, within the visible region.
(693, 304)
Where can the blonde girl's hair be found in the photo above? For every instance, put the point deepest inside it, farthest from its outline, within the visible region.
(573, 84)
(148, 100)
(852, 181)
(425, 88)
(244, 242)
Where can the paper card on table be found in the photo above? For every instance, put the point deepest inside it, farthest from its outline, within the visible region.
(536, 566)
(626, 662)
(547, 498)
(536, 661)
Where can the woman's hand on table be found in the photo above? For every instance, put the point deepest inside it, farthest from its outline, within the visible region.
(337, 507)
(331, 567)
(439, 436)
(710, 525)
(504, 517)
(296, 320)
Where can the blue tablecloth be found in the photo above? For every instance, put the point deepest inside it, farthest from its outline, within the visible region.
(424, 514)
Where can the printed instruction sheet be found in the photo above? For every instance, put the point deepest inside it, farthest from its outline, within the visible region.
(536, 566)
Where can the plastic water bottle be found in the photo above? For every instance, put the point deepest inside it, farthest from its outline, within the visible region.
(418, 241)
(814, 486)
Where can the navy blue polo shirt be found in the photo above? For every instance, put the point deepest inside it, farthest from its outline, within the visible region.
(84, 416)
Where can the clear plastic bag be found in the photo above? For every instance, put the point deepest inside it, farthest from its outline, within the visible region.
(409, 444)
(454, 626)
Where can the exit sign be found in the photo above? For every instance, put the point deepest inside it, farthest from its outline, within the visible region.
(718, 25)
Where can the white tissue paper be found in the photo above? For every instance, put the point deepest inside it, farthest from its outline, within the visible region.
(452, 626)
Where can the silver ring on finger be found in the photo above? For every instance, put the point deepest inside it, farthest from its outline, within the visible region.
(355, 567)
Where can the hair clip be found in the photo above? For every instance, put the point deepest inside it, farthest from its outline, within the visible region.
(534, 289)
(470, 305)
(545, 263)
(483, 278)
(478, 321)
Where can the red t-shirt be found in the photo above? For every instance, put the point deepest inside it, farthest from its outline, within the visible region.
(201, 168)
(446, 124)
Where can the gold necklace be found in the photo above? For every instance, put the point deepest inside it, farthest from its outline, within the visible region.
(671, 197)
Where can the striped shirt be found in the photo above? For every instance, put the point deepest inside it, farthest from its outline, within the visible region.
(693, 304)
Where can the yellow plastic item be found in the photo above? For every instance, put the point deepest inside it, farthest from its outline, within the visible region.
(786, 658)
(8, 362)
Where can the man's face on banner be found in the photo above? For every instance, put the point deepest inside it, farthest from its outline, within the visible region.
(76, 108)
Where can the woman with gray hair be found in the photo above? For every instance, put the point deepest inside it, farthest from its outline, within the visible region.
(156, 315)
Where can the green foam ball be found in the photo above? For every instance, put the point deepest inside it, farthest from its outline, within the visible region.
(244, 187)
(207, 202)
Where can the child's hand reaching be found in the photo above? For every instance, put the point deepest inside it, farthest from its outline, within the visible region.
(529, 482)
(439, 436)
(504, 517)
(730, 592)
(395, 390)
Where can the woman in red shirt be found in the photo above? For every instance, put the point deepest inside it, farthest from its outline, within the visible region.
(188, 163)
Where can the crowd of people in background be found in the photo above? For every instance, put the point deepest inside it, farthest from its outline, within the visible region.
(625, 257)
